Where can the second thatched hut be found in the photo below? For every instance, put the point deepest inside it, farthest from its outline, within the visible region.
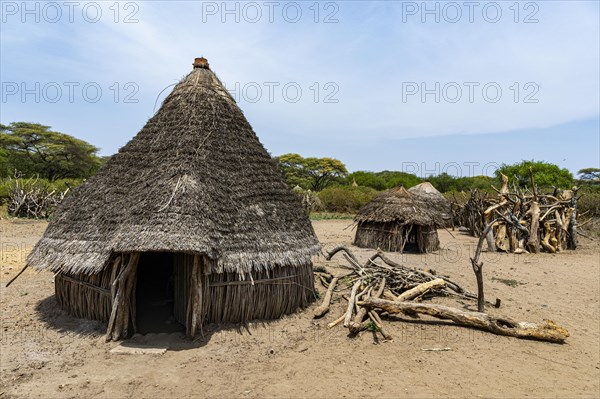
(397, 221)
(435, 202)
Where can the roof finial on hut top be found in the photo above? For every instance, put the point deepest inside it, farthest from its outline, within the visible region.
(200, 63)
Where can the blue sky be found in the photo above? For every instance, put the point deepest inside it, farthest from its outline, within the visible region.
(379, 85)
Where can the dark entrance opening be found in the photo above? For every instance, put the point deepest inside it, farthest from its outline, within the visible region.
(411, 245)
(155, 294)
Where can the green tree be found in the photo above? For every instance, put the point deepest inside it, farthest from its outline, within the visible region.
(383, 180)
(5, 166)
(443, 182)
(33, 149)
(545, 174)
(589, 175)
(311, 173)
(446, 183)
(395, 179)
(293, 169)
(367, 179)
(475, 182)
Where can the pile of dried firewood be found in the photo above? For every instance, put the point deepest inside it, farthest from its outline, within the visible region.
(524, 221)
(470, 214)
(381, 287)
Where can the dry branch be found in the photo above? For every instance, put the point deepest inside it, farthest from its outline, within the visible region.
(478, 267)
(357, 324)
(15, 277)
(324, 307)
(338, 249)
(351, 302)
(336, 321)
(421, 289)
(545, 331)
(375, 318)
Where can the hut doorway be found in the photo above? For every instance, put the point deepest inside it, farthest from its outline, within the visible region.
(411, 245)
(155, 296)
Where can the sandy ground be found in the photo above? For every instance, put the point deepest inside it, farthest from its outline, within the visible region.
(47, 353)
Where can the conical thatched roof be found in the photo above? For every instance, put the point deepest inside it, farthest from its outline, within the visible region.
(426, 188)
(435, 201)
(399, 205)
(195, 179)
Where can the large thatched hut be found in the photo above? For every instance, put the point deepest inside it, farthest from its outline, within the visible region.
(436, 202)
(189, 223)
(397, 221)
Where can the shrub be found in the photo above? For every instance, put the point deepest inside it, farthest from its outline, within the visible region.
(346, 198)
(589, 203)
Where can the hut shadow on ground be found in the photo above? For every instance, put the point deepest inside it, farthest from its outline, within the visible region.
(64, 324)
(179, 342)
(55, 318)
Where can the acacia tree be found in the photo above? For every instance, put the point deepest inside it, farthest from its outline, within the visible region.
(590, 175)
(311, 173)
(33, 149)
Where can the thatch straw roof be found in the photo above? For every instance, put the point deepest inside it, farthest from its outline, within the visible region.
(435, 201)
(195, 179)
(398, 205)
(426, 188)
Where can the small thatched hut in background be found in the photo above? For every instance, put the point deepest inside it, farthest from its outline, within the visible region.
(190, 222)
(397, 221)
(436, 202)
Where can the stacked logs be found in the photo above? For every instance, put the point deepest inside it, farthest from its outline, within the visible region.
(524, 221)
(382, 289)
(470, 214)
